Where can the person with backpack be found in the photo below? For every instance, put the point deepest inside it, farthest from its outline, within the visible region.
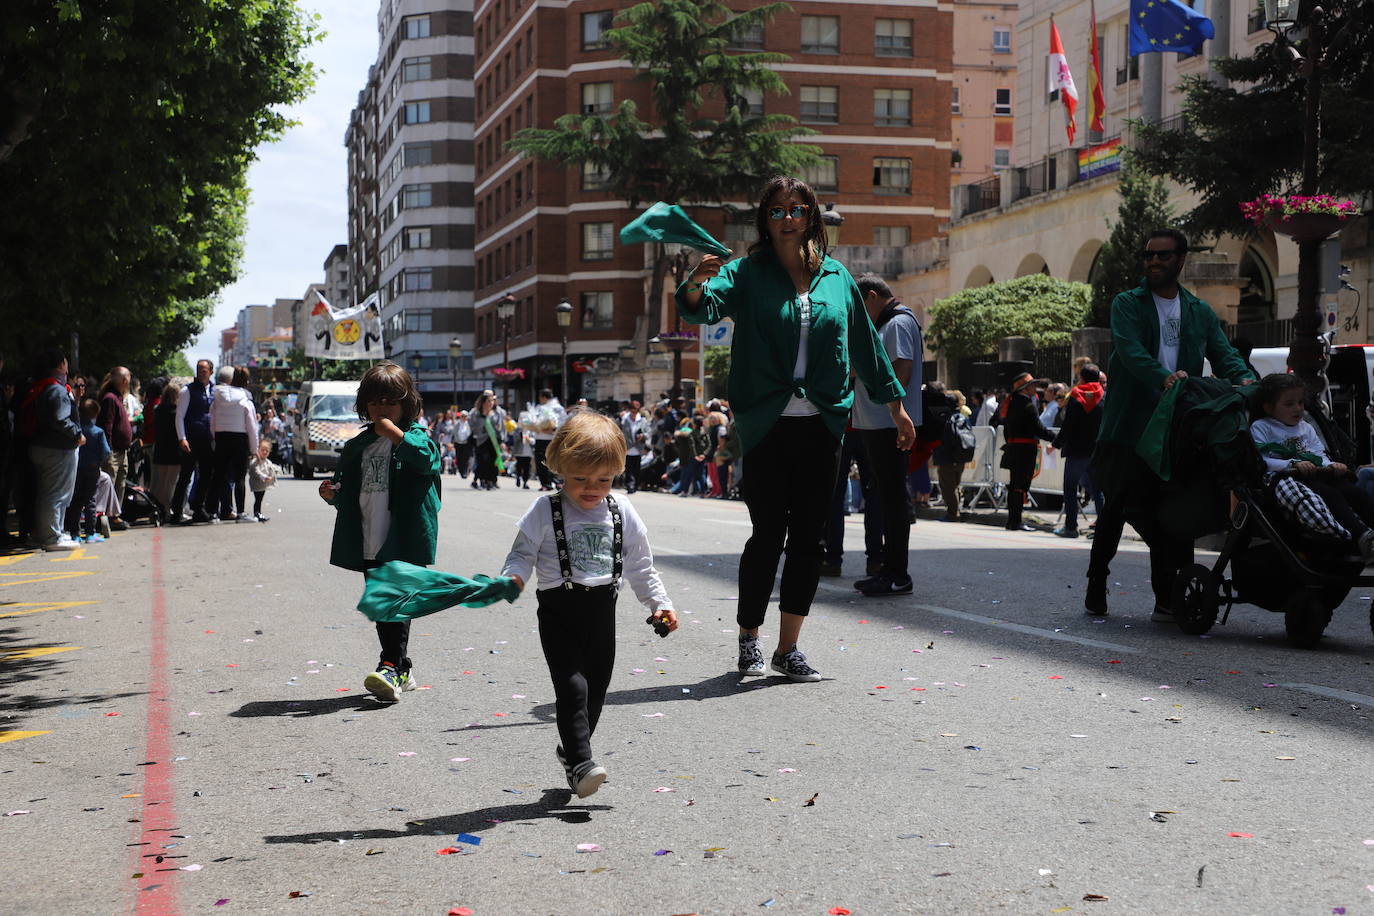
(900, 334)
(48, 420)
(1020, 419)
(1077, 436)
(956, 448)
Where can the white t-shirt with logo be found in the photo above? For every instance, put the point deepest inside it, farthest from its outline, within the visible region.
(374, 495)
(1170, 329)
(590, 554)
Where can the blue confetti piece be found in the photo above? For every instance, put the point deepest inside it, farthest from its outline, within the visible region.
(469, 838)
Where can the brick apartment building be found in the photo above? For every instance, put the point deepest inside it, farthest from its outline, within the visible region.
(874, 80)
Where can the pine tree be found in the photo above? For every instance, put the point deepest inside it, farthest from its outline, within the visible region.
(1144, 207)
(700, 143)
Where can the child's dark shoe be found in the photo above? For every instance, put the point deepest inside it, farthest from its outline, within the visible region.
(587, 777)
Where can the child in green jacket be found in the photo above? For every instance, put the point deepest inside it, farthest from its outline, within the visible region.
(386, 491)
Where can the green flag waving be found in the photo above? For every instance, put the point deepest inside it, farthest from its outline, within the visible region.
(668, 223)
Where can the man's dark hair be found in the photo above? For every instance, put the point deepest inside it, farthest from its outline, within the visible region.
(1179, 239)
(49, 358)
(872, 283)
(1090, 373)
(546, 392)
(977, 393)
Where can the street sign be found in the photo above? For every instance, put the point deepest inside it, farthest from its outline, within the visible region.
(719, 335)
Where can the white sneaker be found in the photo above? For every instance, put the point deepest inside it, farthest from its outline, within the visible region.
(587, 777)
(63, 543)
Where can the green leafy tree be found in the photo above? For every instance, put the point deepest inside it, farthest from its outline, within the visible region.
(176, 365)
(126, 131)
(718, 367)
(1144, 207)
(302, 368)
(1244, 138)
(1045, 309)
(700, 144)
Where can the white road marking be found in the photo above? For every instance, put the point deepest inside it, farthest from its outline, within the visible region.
(1333, 693)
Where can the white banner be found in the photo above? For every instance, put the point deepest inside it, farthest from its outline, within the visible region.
(350, 333)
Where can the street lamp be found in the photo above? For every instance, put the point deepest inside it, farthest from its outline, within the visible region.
(505, 310)
(1280, 16)
(832, 221)
(563, 310)
(455, 353)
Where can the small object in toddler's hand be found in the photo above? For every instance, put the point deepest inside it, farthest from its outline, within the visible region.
(659, 624)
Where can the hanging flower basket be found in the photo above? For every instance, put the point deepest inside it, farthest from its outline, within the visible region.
(1304, 219)
(678, 340)
(506, 376)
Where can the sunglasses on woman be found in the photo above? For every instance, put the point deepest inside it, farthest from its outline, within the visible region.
(796, 211)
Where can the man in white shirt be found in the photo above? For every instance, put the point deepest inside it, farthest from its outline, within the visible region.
(549, 415)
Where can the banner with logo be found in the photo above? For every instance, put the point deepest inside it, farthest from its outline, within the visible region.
(1099, 160)
(348, 333)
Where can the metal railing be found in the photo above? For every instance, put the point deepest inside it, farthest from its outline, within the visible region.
(983, 195)
(1036, 178)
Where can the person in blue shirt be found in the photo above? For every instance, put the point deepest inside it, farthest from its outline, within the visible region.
(89, 457)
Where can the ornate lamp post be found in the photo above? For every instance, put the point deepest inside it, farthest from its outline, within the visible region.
(832, 220)
(1307, 355)
(677, 342)
(505, 310)
(455, 353)
(563, 311)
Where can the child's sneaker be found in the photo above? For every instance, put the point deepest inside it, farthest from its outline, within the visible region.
(384, 684)
(793, 666)
(750, 656)
(407, 681)
(586, 778)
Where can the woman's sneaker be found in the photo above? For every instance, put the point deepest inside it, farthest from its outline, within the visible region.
(567, 767)
(750, 656)
(384, 684)
(793, 666)
(586, 778)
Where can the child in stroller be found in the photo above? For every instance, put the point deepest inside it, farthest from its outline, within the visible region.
(1287, 442)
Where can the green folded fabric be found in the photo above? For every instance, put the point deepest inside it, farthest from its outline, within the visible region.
(1153, 446)
(668, 223)
(397, 591)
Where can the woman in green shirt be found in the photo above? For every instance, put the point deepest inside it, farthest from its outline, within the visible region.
(800, 328)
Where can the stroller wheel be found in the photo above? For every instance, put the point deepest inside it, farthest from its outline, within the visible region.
(1196, 599)
(1305, 618)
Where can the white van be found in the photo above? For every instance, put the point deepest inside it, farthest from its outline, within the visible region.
(327, 417)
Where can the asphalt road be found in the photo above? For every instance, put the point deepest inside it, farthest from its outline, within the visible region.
(978, 747)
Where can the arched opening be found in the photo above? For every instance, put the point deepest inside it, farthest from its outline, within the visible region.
(1085, 261)
(979, 276)
(1257, 293)
(1032, 264)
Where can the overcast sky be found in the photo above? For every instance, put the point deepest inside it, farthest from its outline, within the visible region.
(299, 208)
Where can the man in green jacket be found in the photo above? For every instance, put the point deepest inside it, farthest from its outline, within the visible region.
(1160, 333)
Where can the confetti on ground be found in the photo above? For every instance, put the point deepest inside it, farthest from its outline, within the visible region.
(191, 867)
(838, 911)
(1244, 836)
(406, 754)
(588, 847)
(460, 911)
(469, 838)
(448, 851)
(810, 802)
(221, 901)
(665, 789)
(787, 770)
(459, 759)
(663, 852)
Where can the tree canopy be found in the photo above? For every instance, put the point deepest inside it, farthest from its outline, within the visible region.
(1045, 309)
(1245, 138)
(126, 131)
(1144, 207)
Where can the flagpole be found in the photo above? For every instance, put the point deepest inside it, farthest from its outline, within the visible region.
(1049, 120)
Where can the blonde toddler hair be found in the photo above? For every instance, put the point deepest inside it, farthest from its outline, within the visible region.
(587, 440)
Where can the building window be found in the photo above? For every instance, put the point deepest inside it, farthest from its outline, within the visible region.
(594, 177)
(954, 101)
(820, 35)
(820, 104)
(892, 107)
(751, 103)
(892, 37)
(748, 37)
(892, 236)
(891, 176)
(594, 28)
(418, 154)
(1001, 158)
(414, 69)
(418, 320)
(1001, 40)
(824, 175)
(1002, 102)
(416, 112)
(596, 241)
(597, 311)
(419, 237)
(417, 195)
(1254, 22)
(416, 26)
(417, 279)
(597, 98)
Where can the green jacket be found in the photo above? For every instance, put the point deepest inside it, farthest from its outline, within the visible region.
(413, 496)
(1134, 374)
(757, 293)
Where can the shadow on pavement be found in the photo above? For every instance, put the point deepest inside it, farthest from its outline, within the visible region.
(17, 670)
(555, 803)
(721, 685)
(302, 709)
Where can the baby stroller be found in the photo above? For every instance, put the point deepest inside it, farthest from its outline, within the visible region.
(139, 504)
(1279, 560)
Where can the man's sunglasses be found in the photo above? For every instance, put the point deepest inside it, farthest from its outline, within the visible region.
(796, 211)
(1164, 255)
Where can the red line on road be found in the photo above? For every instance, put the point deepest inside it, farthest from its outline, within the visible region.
(155, 893)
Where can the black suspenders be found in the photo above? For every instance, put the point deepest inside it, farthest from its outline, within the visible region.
(560, 540)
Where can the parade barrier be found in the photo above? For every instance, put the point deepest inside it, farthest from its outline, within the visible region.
(988, 482)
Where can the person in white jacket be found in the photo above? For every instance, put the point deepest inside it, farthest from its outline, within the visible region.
(234, 425)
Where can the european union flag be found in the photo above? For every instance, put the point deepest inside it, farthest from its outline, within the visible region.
(1168, 25)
